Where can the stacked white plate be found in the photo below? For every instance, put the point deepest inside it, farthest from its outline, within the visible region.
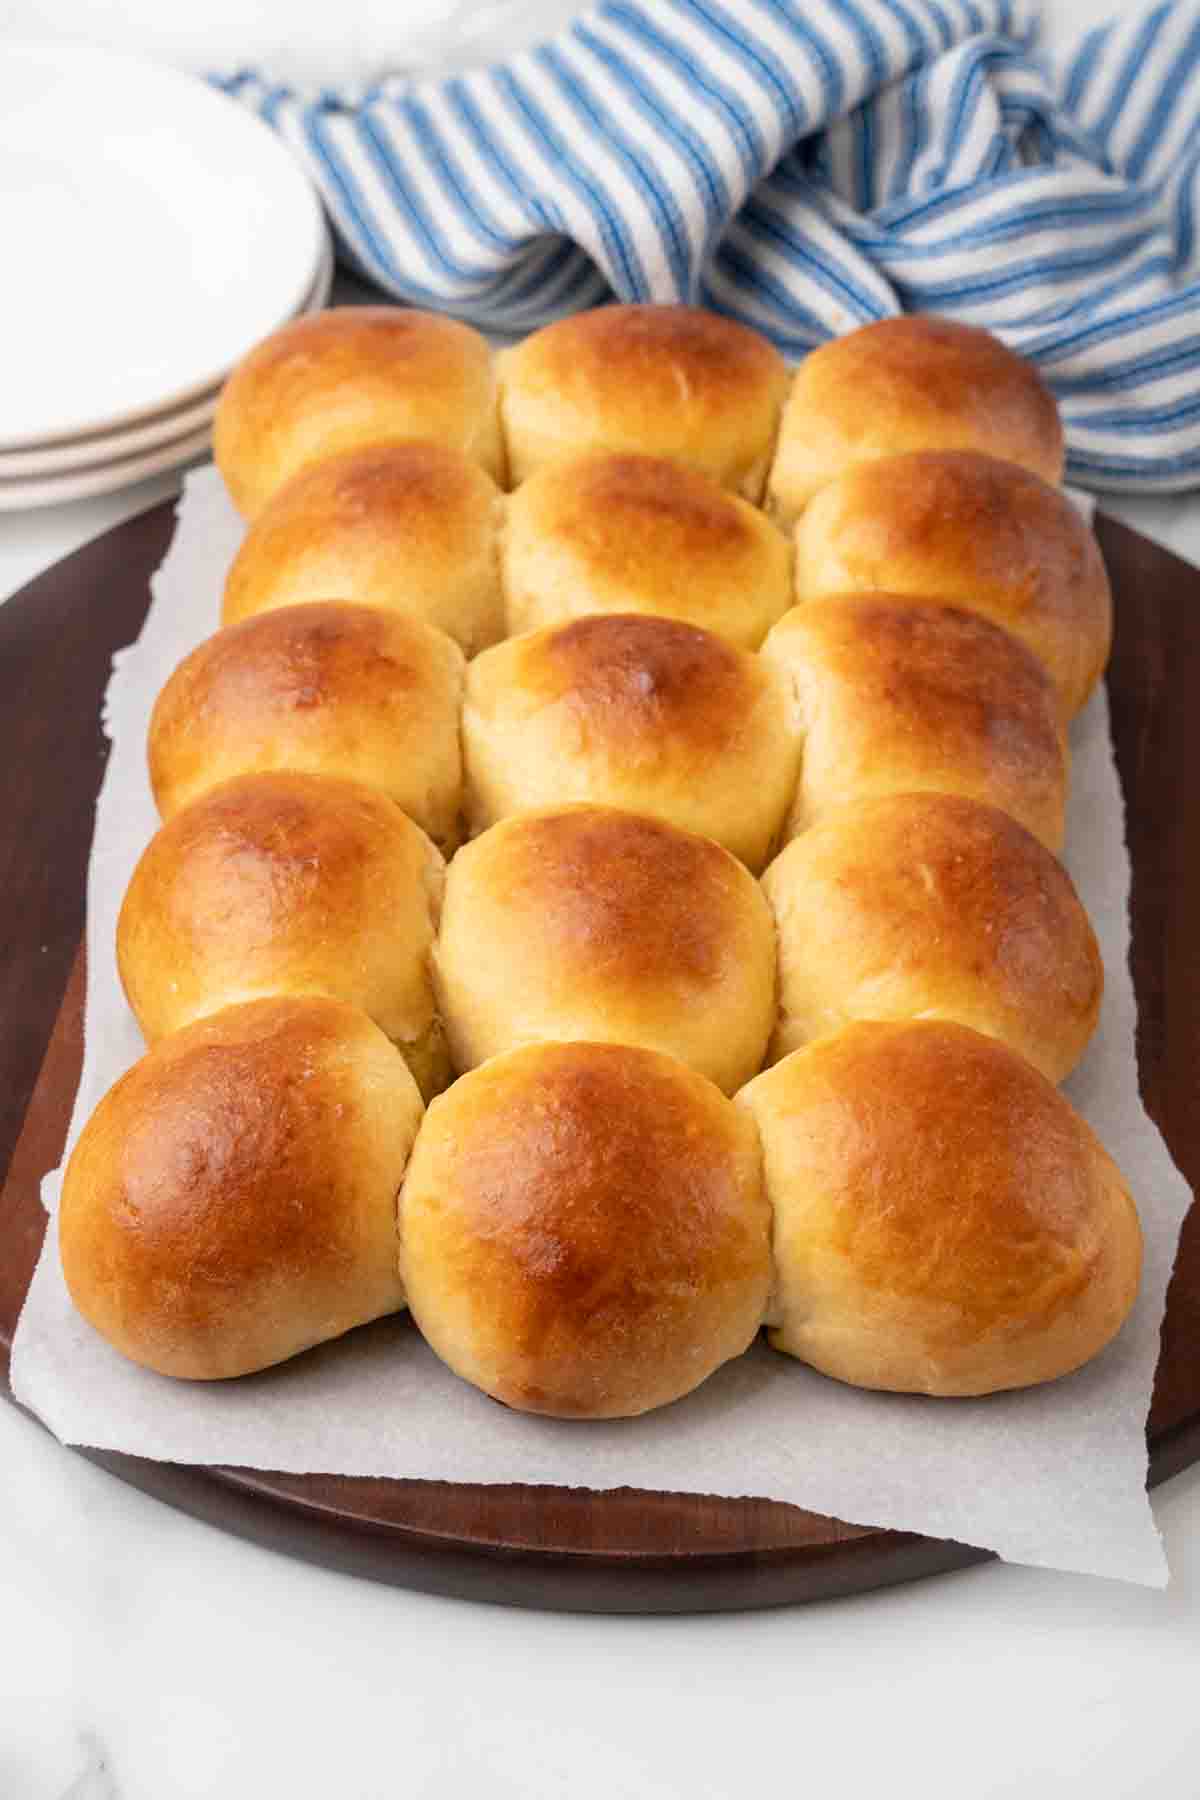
(154, 231)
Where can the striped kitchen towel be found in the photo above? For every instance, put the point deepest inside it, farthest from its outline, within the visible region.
(806, 166)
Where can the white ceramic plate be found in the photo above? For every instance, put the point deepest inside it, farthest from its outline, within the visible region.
(104, 472)
(161, 428)
(153, 232)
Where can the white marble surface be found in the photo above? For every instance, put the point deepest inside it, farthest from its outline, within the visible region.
(144, 1656)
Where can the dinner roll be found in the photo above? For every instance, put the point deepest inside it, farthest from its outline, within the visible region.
(955, 526)
(327, 690)
(348, 377)
(910, 906)
(944, 1222)
(605, 533)
(672, 381)
(412, 528)
(287, 884)
(648, 714)
(915, 383)
(894, 698)
(583, 1230)
(587, 922)
(232, 1200)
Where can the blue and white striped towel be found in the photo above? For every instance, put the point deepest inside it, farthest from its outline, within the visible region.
(808, 165)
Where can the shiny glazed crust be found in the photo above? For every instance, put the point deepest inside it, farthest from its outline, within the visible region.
(933, 906)
(944, 1222)
(410, 528)
(607, 533)
(323, 690)
(914, 383)
(232, 1199)
(287, 884)
(671, 381)
(349, 377)
(586, 1221)
(962, 528)
(894, 697)
(583, 1230)
(588, 922)
(643, 713)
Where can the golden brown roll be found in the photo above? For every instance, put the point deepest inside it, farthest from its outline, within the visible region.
(894, 698)
(642, 713)
(958, 527)
(588, 922)
(349, 377)
(933, 906)
(944, 1222)
(411, 528)
(287, 884)
(916, 383)
(583, 1230)
(672, 381)
(622, 533)
(324, 690)
(232, 1200)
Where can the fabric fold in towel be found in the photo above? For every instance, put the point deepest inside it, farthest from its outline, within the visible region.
(806, 168)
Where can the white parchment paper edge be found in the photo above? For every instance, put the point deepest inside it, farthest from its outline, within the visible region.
(1053, 1477)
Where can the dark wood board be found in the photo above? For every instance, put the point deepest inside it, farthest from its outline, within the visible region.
(622, 1551)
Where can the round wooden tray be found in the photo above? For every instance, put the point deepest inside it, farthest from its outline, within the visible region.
(622, 1551)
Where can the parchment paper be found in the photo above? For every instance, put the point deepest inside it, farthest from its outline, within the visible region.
(1054, 1476)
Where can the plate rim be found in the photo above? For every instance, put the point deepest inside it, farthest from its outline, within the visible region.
(94, 448)
(33, 492)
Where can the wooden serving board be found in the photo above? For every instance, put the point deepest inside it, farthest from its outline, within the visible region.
(622, 1551)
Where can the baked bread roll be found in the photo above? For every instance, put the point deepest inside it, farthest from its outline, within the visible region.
(642, 713)
(958, 527)
(587, 922)
(411, 528)
(623, 533)
(583, 1230)
(932, 906)
(671, 381)
(348, 377)
(287, 884)
(323, 690)
(916, 383)
(893, 697)
(232, 1200)
(944, 1222)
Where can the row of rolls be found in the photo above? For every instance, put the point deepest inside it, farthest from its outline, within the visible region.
(614, 914)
